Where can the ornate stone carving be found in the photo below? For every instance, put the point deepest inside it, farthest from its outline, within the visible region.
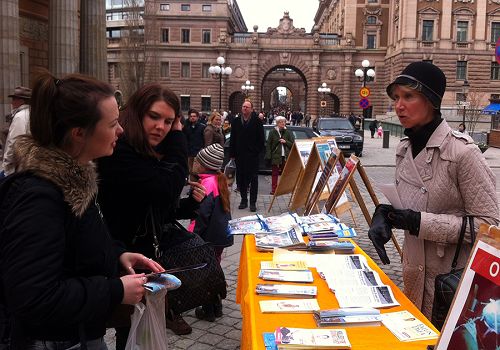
(465, 1)
(494, 2)
(222, 35)
(331, 74)
(286, 27)
(285, 58)
(239, 72)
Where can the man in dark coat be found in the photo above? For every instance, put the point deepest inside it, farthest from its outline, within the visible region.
(247, 141)
(193, 129)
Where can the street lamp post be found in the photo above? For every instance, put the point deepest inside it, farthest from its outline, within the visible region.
(247, 87)
(323, 89)
(220, 70)
(363, 75)
(465, 91)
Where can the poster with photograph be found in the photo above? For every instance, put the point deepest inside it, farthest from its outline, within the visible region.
(324, 151)
(341, 183)
(474, 318)
(304, 148)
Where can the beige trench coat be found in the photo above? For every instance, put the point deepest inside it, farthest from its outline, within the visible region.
(448, 179)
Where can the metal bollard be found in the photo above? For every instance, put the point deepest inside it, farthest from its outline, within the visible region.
(385, 140)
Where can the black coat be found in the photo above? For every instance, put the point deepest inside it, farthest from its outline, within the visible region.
(195, 137)
(58, 263)
(247, 141)
(130, 184)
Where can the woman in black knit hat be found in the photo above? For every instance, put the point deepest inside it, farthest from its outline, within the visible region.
(441, 176)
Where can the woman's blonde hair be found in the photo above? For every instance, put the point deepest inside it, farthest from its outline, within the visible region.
(212, 116)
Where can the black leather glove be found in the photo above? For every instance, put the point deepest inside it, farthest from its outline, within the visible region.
(405, 219)
(380, 230)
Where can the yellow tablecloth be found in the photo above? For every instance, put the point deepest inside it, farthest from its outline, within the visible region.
(255, 323)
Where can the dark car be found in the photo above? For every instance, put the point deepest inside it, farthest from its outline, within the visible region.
(347, 137)
(299, 132)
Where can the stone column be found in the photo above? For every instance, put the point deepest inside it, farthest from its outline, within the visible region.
(10, 65)
(63, 37)
(93, 39)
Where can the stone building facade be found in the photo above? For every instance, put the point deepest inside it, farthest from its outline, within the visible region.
(457, 35)
(67, 36)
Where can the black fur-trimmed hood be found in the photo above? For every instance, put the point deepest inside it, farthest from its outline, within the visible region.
(77, 182)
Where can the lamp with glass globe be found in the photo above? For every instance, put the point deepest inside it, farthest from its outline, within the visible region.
(220, 70)
(247, 87)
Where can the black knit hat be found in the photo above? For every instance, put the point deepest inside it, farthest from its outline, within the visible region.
(424, 77)
(211, 157)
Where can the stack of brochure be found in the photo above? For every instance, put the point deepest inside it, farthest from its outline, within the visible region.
(287, 239)
(355, 316)
(289, 306)
(301, 338)
(407, 327)
(292, 271)
(286, 290)
(355, 284)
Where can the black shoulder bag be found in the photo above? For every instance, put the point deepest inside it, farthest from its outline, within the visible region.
(446, 284)
(176, 247)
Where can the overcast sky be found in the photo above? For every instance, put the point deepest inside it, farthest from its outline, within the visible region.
(267, 13)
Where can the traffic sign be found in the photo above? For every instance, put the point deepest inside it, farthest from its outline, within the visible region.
(364, 92)
(364, 103)
(497, 51)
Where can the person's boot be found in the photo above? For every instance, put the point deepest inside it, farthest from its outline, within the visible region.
(218, 308)
(206, 312)
(253, 207)
(243, 204)
(177, 324)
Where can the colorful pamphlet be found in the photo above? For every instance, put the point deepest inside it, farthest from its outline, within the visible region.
(364, 296)
(287, 239)
(288, 290)
(160, 281)
(289, 306)
(283, 265)
(304, 276)
(407, 327)
(269, 341)
(301, 338)
(365, 320)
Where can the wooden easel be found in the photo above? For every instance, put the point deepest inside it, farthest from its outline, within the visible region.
(293, 169)
(334, 197)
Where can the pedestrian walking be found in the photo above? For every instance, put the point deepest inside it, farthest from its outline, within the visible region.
(247, 141)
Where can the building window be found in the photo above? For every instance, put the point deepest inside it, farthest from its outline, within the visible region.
(462, 28)
(206, 8)
(495, 71)
(371, 41)
(164, 69)
(164, 35)
(206, 36)
(206, 103)
(113, 33)
(461, 97)
(371, 20)
(427, 30)
(495, 31)
(185, 7)
(185, 33)
(373, 1)
(185, 102)
(461, 70)
(164, 7)
(185, 70)
(495, 97)
(204, 70)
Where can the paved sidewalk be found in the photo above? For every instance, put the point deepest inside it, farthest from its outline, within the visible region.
(225, 333)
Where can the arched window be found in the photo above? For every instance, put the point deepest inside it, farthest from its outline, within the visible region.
(371, 20)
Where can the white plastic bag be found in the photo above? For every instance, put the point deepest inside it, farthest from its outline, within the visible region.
(148, 329)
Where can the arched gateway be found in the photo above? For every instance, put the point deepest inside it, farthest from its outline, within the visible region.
(289, 57)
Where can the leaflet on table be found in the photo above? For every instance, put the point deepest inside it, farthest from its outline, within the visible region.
(341, 263)
(407, 327)
(299, 265)
(287, 290)
(287, 239)
(281, 222)
(311, 219)
(364, 320)
(254, 217)
(289, 306)
(347, 311)
(286, 276)
(269, 341)
(360, 296)
(340, 229)
(329, 245)
(353, 278)
(301, 338)
(247, 227)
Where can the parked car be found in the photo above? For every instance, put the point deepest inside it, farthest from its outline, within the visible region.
(299, 132)
(347, 137)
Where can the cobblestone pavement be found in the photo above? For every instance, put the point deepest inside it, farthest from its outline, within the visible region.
(225, 333)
